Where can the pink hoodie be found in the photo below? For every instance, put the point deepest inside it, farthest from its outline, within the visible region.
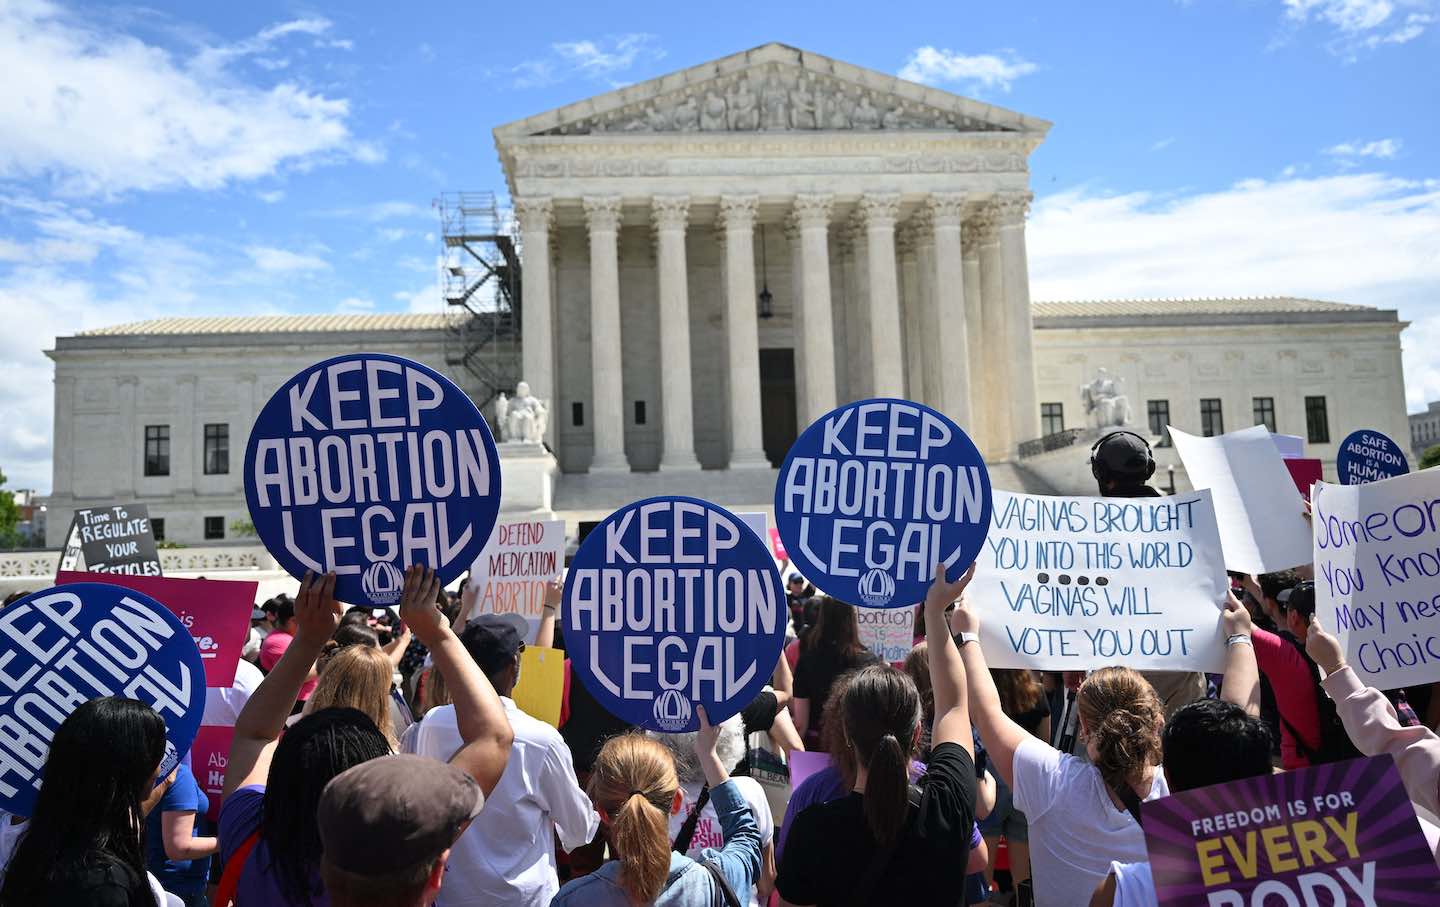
(1374, 728)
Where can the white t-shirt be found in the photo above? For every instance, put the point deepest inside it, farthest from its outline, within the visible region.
(1134, 885)
(223, 704)
(708, 832)
(1076, 831)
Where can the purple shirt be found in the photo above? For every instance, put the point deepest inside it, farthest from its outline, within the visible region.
(239, 818)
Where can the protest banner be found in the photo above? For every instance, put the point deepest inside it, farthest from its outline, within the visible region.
(1334, 835)
(541, 685)
(1077, 583)
(209, 756)
(1369, 456)
(1304, 472)
(116, 539)
(888, 632)
(670, 603)
(517, 563)
(1377, 576)
(874, 494)
(777, 547)
(1261, 518)
(216, 612)
(66, 645)
(1291, 447)
(366, 464)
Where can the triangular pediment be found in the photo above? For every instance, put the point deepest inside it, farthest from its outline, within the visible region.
(773, 88)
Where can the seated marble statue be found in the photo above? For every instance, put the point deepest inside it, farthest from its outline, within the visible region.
(522, 417)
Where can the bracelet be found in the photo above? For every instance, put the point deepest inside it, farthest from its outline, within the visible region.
(1239, 639)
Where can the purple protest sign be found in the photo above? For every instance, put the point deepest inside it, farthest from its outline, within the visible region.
(1336, 834)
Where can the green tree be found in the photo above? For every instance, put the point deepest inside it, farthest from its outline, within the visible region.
(9, 516)
(1431, 457)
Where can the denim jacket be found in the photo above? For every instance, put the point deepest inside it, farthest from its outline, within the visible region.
(688, 884)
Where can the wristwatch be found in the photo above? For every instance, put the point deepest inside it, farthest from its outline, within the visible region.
(962, 638)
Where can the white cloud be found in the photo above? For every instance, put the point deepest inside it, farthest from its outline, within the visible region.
(1363, 24)
(101, 112)
(933, 66)
(272, 196)
(273, 260)
(1363, 238)
(1381, 148)
(376, 212)
(598, 59)
(355, 304)
(1162, 144)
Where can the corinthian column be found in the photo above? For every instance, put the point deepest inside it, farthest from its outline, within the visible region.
(812, 213)
(981, 385)
(911, 307)
(536, 216)
(602, 216)
(1019, 321)
(1000, 435)
(670, 214)
(946, 212)
(737, 213)
(886, 350)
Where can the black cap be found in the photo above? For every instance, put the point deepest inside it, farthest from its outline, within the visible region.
(494, 639)
(1122, 455)
(1299, 598)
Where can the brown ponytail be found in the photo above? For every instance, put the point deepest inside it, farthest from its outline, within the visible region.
(1123, 719)
(882, 711)
(634, 782)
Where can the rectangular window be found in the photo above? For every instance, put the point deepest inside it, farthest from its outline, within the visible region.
(157, 450)
(217, 449)
(214, 527)
(157, 528)
(1317, 421)
(639, 412)
(577, 414)
(1265, 412)
(1157, 412)
(1052, 418)
(1212, 421)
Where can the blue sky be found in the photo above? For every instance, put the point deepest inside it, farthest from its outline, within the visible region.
(186, 159)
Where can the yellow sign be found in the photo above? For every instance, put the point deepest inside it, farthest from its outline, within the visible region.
(542, 684)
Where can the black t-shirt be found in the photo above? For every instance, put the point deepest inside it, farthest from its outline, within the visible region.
(1030, 718)
(590, 725)
(102, 883)
(816, 671)
(829, 849)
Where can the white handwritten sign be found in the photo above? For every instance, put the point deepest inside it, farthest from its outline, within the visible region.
(1073, 583)
(888, 632)
(515, 566)
(1377, 576)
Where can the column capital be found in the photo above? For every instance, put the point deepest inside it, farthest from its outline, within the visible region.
(535, 212)
(602, 212)
(879, 209)
(922, 222)
(969, 239)
(907, 239)
(670, 212)
(985, 224)
(812, 209)
(947, 208)
(1010, 208)
(737, 212)
(793, 227)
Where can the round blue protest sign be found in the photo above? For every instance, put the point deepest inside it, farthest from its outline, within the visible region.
(670, 603)
(81, 641)
(366, 464)
(874, 494)
(1367, 456)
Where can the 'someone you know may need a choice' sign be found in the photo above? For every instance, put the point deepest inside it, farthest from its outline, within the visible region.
(874, 494)
(365, 464)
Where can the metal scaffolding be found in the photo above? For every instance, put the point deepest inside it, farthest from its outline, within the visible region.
(481, 275)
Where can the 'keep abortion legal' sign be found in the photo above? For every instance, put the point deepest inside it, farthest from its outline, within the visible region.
(65, 646)
(1337, 835)
(670, 603)
(1368, 456)
(874, 494)
(368, 463)
(1077, 583)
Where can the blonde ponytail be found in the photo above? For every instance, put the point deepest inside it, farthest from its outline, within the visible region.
(634, 782)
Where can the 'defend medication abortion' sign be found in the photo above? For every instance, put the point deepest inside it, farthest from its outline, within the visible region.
(365, 464)
(670, 603)
(65, 646)
(874, 494)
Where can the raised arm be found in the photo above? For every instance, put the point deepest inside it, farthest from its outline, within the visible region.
(1242, 673)
(947, 669)
(739, 860)
(1000, 735)
(468, 597)
(554, 595)
(395, 649)
(479, 714)
(782, 681)
(261, 721)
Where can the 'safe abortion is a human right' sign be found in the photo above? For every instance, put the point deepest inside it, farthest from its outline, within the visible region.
(874, 494)
(670, 603)
(365, 464)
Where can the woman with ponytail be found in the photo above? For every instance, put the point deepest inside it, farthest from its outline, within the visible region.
(635, 788)
(889, 842)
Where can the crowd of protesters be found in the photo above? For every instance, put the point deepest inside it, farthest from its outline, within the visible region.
(380, 759)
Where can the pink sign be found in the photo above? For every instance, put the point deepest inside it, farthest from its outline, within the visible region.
(777, 546)
(216, 611)
(209, 755)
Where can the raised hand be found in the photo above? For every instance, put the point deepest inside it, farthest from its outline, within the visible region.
(317, 613)
(1236, 619)
(1324, 648)
(417, 604)
(942, 592)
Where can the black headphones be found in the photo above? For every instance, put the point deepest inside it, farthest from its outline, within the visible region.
(1149, 455)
